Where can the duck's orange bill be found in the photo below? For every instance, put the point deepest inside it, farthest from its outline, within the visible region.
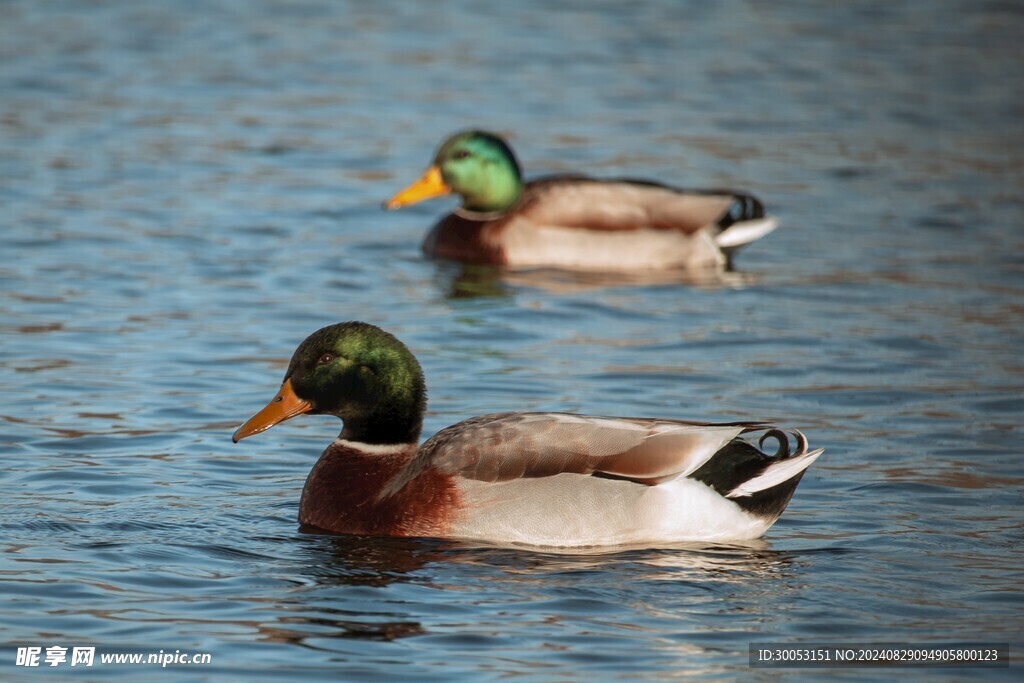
(430, 185)
(285, 405)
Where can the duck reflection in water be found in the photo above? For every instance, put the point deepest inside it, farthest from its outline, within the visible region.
(470, 281)
(349, 562)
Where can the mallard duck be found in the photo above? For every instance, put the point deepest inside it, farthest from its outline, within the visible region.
(575, 221)
(539, 479)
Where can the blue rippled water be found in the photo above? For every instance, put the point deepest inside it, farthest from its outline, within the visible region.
(189, 189)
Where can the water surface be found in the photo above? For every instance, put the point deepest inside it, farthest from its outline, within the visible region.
(189, 190)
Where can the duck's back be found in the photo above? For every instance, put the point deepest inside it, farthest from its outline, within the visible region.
(621, 205)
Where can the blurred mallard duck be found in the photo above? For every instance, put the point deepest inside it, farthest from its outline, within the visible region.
(544, 479)
(575, 221)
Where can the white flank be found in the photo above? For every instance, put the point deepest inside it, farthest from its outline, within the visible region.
(569, 510)
(528, 244)
(778, 472)
(374, 448)
(745, 232)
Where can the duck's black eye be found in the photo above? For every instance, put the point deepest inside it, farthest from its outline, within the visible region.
(325, 359)
(461, 154)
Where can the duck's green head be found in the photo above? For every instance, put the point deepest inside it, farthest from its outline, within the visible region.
(357, 372)
(477, 165)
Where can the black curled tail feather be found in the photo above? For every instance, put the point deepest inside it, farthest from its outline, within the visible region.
(783, 439)
(745, 207)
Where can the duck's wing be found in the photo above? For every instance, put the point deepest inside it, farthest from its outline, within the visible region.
(507, 446)
(577, 202)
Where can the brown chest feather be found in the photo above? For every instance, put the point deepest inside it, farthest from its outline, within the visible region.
(343, 494)
(460, 239)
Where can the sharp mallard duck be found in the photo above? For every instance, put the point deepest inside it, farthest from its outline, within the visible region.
(575, 221)
(539, 479)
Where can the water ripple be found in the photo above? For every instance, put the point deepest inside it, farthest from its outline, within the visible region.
(188, 194)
